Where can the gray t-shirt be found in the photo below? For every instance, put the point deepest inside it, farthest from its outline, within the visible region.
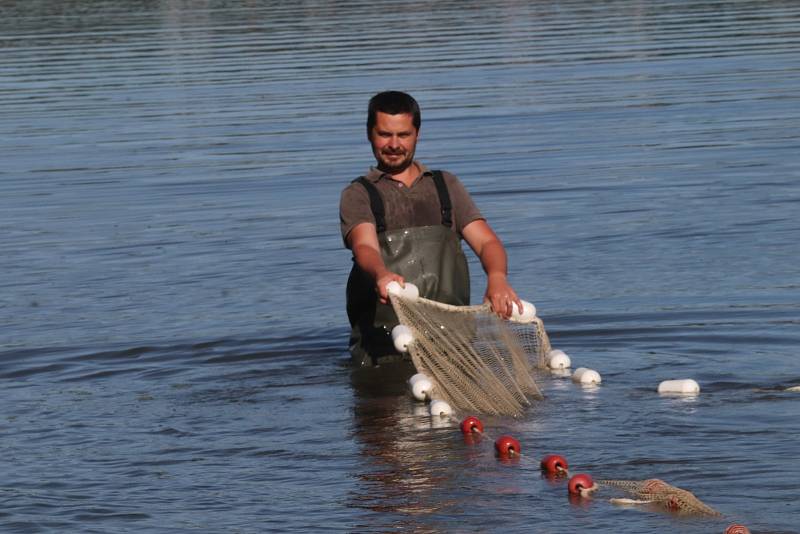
(406, 207)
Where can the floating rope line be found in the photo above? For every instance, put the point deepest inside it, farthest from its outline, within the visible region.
(468, 359)
(645, 492)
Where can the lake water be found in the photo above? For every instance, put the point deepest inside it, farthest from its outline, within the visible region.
(172, 327)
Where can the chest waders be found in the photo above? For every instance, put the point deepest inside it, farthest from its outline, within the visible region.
(429, 257)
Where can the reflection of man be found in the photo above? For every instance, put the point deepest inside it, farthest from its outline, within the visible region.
(404, 223)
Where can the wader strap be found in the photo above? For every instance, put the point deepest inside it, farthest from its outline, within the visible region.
(375, 204)
(444, 199)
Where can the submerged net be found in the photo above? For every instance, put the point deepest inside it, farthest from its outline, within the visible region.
(476, 360)
(658, 492)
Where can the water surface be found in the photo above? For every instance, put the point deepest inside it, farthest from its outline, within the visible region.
(172, 326)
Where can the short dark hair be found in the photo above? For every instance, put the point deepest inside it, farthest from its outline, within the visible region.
(393, 103)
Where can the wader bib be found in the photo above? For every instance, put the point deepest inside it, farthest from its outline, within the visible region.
(429, 257)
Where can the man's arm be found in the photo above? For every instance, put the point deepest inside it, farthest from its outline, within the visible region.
(482, 239)
(363, 241)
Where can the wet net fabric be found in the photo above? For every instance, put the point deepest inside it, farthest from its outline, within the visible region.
(477, 361)
(658, 492)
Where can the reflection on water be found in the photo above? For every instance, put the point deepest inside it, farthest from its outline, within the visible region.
(419, 472)
(172, 325)
(397, 477)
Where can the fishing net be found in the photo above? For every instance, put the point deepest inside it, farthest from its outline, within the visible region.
(655, 491)
(477, 361)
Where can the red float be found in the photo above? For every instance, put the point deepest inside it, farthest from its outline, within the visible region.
(554, 465)
(471, 424)
(507, 447)
(580, 482)
(737, 529)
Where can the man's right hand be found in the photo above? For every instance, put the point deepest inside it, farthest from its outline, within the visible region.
(363, 241)
(383, 281)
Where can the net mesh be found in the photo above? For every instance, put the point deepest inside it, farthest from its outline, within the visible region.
(476, 360)
(659, 492)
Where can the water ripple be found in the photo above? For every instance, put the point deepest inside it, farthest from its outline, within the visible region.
(172, 331)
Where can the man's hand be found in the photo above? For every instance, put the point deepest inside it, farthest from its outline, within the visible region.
(490, 250)
(383, 280)
(501, 295)
(363, 240)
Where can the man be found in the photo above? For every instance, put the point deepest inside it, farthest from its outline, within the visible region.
(404, 222)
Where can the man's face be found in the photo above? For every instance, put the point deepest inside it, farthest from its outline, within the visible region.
(394, 140)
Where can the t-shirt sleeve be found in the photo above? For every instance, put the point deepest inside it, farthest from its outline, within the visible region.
(464, 209)
(354, 209)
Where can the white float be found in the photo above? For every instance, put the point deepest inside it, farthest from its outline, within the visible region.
(416, 377)
(558, 359)
(421, 386)
(422, 389)
(441, 408)
(410, 291)
(527, 315)
(585, 376)
(402, 337)
(686, 386)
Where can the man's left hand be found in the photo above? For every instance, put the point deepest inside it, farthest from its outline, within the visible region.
(501, 296)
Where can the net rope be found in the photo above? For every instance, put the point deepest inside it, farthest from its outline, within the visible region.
(476, 360)
(659, 492)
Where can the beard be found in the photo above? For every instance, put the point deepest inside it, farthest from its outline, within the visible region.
(394, 165)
